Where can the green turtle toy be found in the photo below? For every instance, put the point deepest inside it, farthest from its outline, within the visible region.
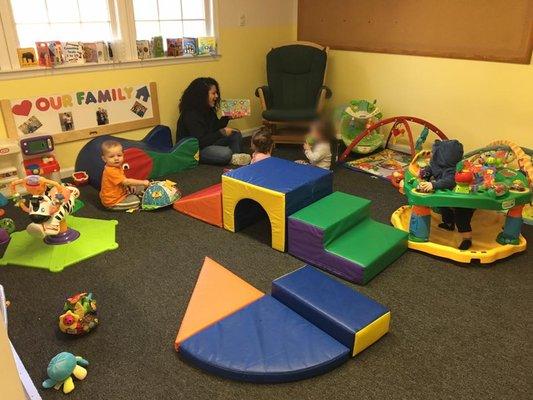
(60, 369)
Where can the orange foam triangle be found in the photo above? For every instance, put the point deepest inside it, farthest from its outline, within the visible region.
(205, 205)
(217, 294)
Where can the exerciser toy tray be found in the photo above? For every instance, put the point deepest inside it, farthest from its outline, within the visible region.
(496, 180)
(508, 187)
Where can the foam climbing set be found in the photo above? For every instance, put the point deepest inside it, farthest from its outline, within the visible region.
(280, 187)
(309, 325)
(337, 234)
(152, 157)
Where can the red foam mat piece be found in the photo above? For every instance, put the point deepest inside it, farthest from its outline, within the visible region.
(205, 205)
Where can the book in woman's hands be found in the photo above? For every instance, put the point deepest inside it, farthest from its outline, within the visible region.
(236, 108)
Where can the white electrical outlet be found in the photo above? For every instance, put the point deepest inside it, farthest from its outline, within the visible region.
(242, 20)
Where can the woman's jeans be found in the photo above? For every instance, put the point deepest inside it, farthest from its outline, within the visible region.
(220, 152)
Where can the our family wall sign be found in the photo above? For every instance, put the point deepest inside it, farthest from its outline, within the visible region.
(82, 114)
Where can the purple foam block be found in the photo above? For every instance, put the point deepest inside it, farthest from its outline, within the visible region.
(307, 243)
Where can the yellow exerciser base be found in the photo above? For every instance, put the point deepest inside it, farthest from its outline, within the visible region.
(442, 243)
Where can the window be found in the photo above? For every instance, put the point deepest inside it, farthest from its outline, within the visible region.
(170, 18)
(119, 23)
(62, 20)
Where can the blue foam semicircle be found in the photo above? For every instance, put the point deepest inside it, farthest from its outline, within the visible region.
(264, 342)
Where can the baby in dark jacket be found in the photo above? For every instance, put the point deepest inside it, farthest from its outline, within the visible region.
(440, 175)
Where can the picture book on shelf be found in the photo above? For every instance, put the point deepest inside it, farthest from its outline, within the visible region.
(235, 107)
(43, 54)
(56, 52)
(207, 45)
(90, 53)
(143, 49)
(157, 46)
(102, 52)
(73, 53)
(27, 57)
(174, 47)
(190, 46)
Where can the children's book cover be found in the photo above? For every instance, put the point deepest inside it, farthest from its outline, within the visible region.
(157, 46)
(236, 108)
(110, 52)
(43, 54)
(207, 45)
(102, 52)
(143, 49)
(174, 47)
(73, 53)
(90, 53)
(27, 57)
(56, 52)
(190, 46)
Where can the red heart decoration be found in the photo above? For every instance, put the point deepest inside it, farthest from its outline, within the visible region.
(23, 108)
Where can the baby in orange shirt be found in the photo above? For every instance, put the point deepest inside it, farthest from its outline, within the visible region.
(114, 193)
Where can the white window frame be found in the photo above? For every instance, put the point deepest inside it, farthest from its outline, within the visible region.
(122, 22)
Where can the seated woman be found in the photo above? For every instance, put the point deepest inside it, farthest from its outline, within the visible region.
(198, 107)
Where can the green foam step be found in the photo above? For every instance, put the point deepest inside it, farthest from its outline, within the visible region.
(370, 244)
(334, 214)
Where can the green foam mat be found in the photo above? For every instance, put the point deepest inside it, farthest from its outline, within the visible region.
(370, 244)
(334, 214)
(96, 236)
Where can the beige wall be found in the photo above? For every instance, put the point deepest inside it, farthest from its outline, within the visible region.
(239, 70)
(473, 101)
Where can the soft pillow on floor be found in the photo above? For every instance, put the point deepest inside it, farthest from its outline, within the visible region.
(160, 194)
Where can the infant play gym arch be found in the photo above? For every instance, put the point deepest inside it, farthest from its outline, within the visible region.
(400, 125)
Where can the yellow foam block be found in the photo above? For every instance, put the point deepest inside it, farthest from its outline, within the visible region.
(486, 225)
(233, 191)
(371, 333)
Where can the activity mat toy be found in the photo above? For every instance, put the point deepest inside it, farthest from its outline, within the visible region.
(280, 187)
(354, 118)
(495, 180)
(309, 325)
(337, 234)
(150, 158)
(392, 157)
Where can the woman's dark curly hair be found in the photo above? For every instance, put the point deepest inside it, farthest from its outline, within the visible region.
(195, 97)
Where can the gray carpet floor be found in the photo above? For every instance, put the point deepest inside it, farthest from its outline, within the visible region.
(458, 332)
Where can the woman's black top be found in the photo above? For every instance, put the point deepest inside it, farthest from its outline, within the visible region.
(203, 125)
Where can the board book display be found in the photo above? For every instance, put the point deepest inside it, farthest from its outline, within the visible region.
(235, 107)
(207, 46)
(82, 114)
(174, 47)
(27, 57)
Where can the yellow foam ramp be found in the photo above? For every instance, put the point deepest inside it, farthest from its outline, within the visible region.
(217, 294)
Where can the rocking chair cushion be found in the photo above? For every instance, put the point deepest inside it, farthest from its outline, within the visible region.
(280, 115)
